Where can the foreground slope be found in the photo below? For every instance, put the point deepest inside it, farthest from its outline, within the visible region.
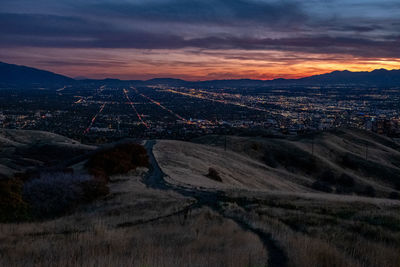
(188, 163)
(345, 161)
(265, 211)
(21, 150)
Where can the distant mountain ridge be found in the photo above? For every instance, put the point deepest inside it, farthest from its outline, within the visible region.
(375, 77)
(15, 74)
(18, 75)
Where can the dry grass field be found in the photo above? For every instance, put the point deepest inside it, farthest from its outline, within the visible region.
(262, 202)
(344, 161)
(133, 226)
(21, 150)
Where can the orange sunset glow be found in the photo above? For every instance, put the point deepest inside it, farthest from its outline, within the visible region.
(194, 65)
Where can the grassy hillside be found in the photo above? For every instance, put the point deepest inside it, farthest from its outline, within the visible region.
(311, 201)
(341, 161)
(21, 150)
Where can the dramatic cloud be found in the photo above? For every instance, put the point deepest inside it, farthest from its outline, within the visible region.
(359, 31)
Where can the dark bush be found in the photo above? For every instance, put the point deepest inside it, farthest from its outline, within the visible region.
(214, 175)
(328, 177)
(394, 195)
(346, 180)
(270, 160)
(344, 189)
(371, 169)
(368, 191)
(349, 161)
(291, 158)
(12, 206)
(54, 194)
(322, 186)
(27, 175)
(397, 185)
(94, 188)
(117, 160)
(255, 146)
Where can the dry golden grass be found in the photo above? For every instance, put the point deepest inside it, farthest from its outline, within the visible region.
(188, 163)
(139, 226)
(302, 160)
(327, 234)
(204, 239)
(133, 226)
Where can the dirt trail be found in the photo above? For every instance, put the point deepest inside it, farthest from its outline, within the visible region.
(212, 199)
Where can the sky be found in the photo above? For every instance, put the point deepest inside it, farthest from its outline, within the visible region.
(200, 39)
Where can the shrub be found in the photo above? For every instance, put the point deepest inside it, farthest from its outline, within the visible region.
(94, 188)
(322, 186)
(397, 185)
(54, 194)
(117, 160)
(270, 160)
(394, 195)
(346, 180)
(293, 159)
(255, 146)
(214, 175)
(12, 206)
(340, 189)
(327, 176)
(368, 191)
(349, 161)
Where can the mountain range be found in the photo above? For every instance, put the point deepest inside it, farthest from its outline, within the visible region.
(18, 75)
(11, 74)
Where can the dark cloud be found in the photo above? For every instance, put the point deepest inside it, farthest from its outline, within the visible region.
(49, 25)
(73, 32)
(230, 12)
(287, 25)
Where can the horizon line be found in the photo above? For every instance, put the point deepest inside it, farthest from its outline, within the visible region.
(78, 78)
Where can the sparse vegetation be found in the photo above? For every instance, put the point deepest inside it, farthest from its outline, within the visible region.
(335, 234)
(368, 191)
(12, 205)
(204, 239)
(394, 195)
(346, 180)
(291, 158)
(322, 186)
(135, 225)
(53, 194)
(214, 175)
(117, 160)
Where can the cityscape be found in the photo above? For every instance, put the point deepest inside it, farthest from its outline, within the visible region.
(100, 113)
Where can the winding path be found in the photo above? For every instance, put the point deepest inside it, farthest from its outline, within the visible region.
(212, 199)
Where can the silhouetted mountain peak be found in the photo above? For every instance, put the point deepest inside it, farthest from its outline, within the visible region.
(16, 74)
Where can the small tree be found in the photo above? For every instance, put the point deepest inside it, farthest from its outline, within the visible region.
(368, 191)
(346, 180)
(214, 175)
(394, 195)
(328, 177)
(117, 160)
(322, 186)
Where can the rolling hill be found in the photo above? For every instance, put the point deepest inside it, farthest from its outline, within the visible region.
(275, 201)
(22, 150)
(345, 161)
